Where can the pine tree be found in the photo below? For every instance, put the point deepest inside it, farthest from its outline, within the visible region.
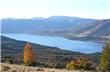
(105, 59)
(29, 56)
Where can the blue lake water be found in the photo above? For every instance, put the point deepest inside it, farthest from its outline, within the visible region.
(60, 42)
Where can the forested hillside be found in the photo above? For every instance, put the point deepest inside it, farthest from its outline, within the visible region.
(45, 55)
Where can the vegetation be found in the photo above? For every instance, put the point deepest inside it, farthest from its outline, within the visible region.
(80, 63)
(29, 56)
(21, 68)
(48, 57)
(8, 59)
(105, 60)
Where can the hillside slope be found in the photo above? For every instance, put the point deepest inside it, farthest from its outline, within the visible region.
(45, 55)
(21, 68)
(99, 30)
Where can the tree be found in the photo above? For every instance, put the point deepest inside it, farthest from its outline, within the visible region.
(105, 59)
(29, 56)
(19, 58)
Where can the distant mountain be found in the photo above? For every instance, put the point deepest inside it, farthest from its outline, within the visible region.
(99, 29)
(69, 27)
(12, 25)
(45, 55)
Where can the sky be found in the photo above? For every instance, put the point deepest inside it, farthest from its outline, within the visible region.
(97, 9)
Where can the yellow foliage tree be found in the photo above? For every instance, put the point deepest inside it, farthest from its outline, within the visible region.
(69, 66)
(29, 56)
(80, 63)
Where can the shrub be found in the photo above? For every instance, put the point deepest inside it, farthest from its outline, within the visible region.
(69, 66)
(8, 59)
(80, 63)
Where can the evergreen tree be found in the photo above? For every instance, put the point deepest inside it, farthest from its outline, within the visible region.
(105, 59)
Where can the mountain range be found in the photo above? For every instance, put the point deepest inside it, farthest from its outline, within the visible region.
(98, 30)
(69, 27)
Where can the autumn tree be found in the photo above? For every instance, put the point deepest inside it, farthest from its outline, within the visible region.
(29, 56)
(80, 63)
(105, 59)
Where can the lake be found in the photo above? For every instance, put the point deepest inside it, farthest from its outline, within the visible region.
(60, 42)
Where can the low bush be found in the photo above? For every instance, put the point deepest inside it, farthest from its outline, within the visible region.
(80, 63)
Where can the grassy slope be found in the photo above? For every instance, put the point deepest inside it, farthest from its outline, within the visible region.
(21, 68)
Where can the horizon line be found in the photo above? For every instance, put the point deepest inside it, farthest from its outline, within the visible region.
(50, 16)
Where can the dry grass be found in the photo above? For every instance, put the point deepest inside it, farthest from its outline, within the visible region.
(21, 68)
